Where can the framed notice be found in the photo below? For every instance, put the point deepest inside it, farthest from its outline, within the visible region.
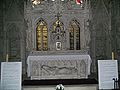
(11, 75)
(107, 70)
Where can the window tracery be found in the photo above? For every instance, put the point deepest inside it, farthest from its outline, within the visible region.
(41, 36)
(58, 27)
(74, 36)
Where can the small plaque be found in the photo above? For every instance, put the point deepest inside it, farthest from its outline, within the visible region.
(107, 70)
(11, 75)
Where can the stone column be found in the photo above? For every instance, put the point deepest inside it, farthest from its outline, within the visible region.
(93, 50)
(22, 46)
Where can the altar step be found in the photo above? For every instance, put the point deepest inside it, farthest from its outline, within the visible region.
(59, 81)
(69, 84)
(66, 87)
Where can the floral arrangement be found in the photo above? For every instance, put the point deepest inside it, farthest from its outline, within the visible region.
(60, 87)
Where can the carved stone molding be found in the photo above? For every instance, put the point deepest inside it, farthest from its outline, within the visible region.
(59, 66)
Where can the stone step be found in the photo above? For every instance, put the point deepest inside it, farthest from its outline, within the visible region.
(69, 84)
(66, 87)
(59, 81)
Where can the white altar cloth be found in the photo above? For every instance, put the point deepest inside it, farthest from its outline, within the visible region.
(58, 66)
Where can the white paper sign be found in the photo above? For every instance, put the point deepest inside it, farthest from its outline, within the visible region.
(11, 75)
(107, 70)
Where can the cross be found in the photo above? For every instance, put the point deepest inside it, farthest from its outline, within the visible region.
(58, 16)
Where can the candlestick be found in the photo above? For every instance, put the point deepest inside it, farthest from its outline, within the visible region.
(7, 58)
(112, 55)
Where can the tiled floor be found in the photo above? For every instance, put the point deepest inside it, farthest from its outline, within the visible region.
(67, 87)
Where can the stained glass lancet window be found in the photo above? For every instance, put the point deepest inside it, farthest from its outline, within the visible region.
(41, 36)
(74, 35)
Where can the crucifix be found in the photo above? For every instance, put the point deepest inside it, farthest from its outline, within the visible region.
(58, 17)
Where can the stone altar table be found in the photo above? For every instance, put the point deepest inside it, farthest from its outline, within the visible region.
(58, 66)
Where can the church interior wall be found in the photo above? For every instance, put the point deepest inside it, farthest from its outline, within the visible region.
(103, 18)
(103, 29)
(1, 33)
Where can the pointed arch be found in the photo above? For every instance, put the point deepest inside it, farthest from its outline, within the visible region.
(74, 35)
(13, 43)
(82, 68)
(41, 36)
(59, 24)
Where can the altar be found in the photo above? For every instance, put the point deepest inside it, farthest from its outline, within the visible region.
(58, 66)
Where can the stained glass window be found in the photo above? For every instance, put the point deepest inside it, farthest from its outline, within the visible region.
(41, 36)
(74, 34)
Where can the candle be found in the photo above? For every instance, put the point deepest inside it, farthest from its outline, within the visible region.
(7, 58)
(112, 55)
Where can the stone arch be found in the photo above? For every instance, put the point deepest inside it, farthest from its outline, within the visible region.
(83, 68)
(74, 35)
(53, 22)
(38, 20)
(35, 69)
(57, 34)
(41, 35)
(13, 43)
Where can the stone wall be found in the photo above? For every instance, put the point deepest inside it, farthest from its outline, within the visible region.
(115, 29)
(1, 30)
(47, 11)
(104, 30)
(12, 30)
